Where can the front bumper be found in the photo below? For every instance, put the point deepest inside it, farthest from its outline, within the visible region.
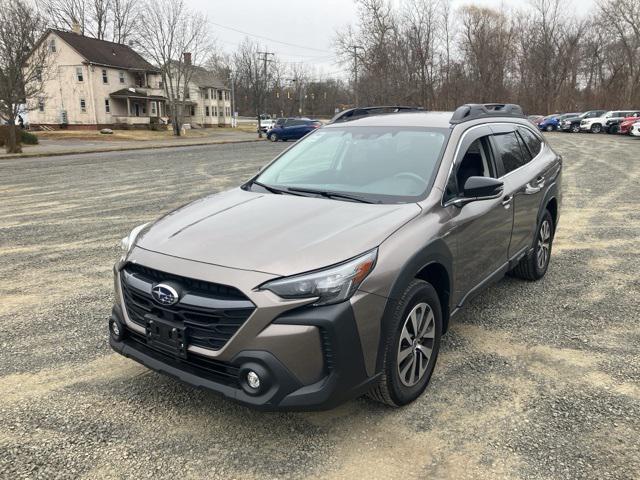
(345, 376)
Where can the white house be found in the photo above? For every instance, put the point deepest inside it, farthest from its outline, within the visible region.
(95, 84)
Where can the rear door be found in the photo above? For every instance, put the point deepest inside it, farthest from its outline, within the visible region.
(523, 178)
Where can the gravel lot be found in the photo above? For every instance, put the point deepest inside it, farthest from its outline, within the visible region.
(535, 380)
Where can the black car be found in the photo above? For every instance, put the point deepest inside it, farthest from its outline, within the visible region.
(612, 125)
(572, 124)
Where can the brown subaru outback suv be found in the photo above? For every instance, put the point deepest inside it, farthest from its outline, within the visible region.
(335, 271)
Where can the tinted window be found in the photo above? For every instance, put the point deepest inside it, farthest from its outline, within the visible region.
(534, 144)
(509, 151)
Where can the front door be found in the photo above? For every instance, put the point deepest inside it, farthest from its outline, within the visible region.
(482, 229)
(136, 109)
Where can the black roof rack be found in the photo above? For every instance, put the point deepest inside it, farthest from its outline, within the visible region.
(473, 111)
(359, 112)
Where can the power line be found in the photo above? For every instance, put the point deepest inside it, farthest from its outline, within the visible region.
(268, 38)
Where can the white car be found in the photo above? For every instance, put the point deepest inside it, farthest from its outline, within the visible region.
(266, 123)
(635, 129)
(597, 124)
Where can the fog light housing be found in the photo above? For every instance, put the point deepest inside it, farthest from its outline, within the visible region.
(116, 329)
(254, 378)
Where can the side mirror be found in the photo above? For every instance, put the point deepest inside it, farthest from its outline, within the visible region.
(479, 188)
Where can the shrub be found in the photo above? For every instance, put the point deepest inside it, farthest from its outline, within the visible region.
(28, 138)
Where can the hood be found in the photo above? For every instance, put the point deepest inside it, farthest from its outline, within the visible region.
(277, 234)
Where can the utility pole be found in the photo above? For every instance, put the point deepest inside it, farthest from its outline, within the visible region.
(233, 100)
(262, 101)
(355, 71)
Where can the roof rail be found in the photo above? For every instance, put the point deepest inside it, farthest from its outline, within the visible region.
(473, 111)
(359, 112)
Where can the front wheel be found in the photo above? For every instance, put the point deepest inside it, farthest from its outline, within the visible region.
(549, 128)
(273, 137)
(575, 128)
(597, 128)
(411, 347)
(534, 265)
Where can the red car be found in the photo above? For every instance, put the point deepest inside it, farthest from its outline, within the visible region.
(626, 124)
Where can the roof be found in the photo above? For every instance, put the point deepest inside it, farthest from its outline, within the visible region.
(135, 93)
(102, 52)
(203, 78)
(400, 119)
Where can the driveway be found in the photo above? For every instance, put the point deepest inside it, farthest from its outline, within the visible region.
(535, 380)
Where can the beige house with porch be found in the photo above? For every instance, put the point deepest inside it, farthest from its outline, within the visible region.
(95, 84)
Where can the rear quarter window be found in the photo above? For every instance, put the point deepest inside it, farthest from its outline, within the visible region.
(531, 140)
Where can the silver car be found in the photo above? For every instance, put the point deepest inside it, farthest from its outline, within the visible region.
(336, 270)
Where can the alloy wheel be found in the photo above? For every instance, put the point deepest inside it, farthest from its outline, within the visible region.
(544, 244)
(416, 344)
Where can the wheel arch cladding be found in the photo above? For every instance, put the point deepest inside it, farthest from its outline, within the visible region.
(433, 264)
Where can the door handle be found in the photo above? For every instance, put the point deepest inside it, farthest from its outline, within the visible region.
(506, 201)
(534, 187)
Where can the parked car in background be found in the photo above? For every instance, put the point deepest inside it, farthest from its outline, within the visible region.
(625, 126)
(292, 129)
(612, 125)
(266, 123)
(535, 119)
(549, 123)
(555, 122)
(635, 130)
(596, 124)
(572, 124)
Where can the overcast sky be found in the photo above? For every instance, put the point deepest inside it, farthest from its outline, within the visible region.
(308, 24)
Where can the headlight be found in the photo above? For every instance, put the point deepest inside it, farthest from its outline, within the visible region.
(127, 242)
(332, 285)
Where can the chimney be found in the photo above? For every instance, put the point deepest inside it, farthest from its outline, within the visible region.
(187, 58)
(75, 27)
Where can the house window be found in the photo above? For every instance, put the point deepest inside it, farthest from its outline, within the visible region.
(206, 111)
(154, 109)
(215, 111)
(105, 77)
(160, 84)
(41, 104)
(79, 74)
(206, 93)
(39, 74)
(219, 94)
(187, 93)
(107, 107)
(83, 105)
(121, 77)
(52, 45)
(193, 111)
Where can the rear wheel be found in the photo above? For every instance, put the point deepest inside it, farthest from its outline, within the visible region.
(596, 128)
(273, 137)
(534, 265)
(549, 128)
(411, 347)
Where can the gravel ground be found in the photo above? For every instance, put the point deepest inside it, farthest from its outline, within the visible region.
(535, 380)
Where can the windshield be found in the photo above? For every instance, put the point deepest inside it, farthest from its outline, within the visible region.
(380, 164)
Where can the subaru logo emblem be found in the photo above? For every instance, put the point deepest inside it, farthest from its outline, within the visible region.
(164, 294)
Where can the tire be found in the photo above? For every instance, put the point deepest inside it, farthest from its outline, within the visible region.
(274, 137)
(395, 388)
(575, 128)
(532, 267)
(549, 128)
(596, 128)
(613, 129)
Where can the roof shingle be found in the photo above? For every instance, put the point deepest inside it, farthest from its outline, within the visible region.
(102, 52)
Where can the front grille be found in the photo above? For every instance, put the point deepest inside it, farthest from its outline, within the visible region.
(201, 366)
(206, 326)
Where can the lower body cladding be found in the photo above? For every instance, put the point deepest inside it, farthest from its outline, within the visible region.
(256, 376)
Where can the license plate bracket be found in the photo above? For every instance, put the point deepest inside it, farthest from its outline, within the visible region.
(165, 335)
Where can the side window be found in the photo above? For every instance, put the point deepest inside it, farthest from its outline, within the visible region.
(531, 140)
(508, 150)
(476, 162)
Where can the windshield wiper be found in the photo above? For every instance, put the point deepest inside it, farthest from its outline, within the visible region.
(329, 194)
(272, 189)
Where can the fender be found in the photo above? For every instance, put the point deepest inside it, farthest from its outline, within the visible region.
(435, 252)
(552, 192)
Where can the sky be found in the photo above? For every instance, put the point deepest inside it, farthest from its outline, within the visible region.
(299, 30)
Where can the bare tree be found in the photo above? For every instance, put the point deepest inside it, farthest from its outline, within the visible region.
(24, 64)
(124, 17)
(175, 38)
(65, 14)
